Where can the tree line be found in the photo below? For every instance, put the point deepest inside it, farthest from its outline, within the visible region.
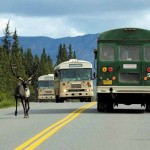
(11, 53)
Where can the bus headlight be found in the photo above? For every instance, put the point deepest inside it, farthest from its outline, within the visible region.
(65, 90)
(87, 90)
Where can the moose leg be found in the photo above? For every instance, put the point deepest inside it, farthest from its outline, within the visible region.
(16, 106)
(27, 106)
(23, 105)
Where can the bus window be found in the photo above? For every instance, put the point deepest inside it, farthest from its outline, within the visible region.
(129, 78)
(46, 84)
(147, 54)
(107, 53)
(129, 53)
(76, 74)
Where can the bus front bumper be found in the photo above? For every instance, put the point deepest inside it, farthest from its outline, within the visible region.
(76, 94)
(46, 97)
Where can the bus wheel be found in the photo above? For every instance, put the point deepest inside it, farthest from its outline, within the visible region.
(61, 100)
(110, 107)
(89, 99)
(100, 106)
(81, 99)
(57, 99)
(148, 107)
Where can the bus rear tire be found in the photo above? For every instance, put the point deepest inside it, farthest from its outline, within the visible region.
(148, 107)
(100, 104)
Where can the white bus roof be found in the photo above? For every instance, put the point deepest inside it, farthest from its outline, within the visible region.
(46, 77)
(73, 63)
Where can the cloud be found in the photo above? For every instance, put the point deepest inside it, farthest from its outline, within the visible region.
(3, 23)
(39, 26)
(45, 8)
(72, 17)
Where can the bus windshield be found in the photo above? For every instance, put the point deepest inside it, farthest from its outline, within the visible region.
(46, 84)
(76, 74)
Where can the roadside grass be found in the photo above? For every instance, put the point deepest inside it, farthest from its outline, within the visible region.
(6, 104)
(6, 100)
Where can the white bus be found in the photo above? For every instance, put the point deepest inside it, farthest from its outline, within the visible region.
(45, 90)
(73, 80)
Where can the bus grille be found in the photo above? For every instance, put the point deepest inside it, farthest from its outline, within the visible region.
(75, 85)
(76, 90)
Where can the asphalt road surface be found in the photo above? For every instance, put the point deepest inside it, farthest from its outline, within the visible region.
(75, 126)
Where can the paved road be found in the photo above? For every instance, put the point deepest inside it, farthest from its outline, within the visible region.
(127, 128)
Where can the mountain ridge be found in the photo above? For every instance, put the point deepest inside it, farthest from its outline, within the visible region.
(83, 45)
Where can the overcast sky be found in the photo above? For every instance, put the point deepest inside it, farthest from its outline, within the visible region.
(62, 18)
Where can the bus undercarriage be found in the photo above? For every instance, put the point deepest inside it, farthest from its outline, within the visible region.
(107, 101)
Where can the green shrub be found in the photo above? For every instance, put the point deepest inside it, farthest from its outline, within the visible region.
(6, 104)
(6, 100)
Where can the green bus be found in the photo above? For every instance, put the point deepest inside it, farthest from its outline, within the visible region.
(122, 61)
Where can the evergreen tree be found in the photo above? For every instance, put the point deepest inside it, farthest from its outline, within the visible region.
(36, 59)
(59, 55)
(62, 54)
(15, 45)
(37, 63)
(44, 68)
(16, 56)
(74, 55)
(2, 71)
(6, 40)
(28, 62)
(70, 55)
(6, 75)
(50, 64)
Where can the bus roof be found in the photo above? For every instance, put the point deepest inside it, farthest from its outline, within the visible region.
(73, 63)
(125, 34)
(46, 77)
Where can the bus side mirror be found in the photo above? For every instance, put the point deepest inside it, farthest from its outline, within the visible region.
(94, 75)
(56, 74)
(95, 53)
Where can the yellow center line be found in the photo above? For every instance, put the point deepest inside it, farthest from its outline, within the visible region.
(52, 129)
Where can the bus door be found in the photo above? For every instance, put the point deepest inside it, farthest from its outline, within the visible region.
(129, 65)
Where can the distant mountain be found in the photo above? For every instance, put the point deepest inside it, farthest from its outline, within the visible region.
(83, 45)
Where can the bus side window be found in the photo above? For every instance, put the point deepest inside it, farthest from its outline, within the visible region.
(147, 53)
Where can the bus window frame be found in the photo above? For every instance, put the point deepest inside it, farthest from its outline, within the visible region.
(101, 49)
(128, 58)
(144, 55)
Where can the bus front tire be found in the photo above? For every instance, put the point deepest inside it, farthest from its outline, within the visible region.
(57, 99)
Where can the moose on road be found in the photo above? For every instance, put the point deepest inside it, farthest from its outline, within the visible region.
(22, 92)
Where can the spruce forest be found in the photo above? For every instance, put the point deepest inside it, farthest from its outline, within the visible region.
(11, 53)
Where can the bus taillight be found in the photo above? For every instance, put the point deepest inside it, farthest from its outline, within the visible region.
(148, 69)
(104, 69)
(114, 78)
(110, 69)
(145, 78)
